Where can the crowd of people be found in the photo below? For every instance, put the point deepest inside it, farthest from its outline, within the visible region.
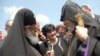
(72, 38)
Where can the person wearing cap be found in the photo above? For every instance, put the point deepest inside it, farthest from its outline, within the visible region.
(84, 41)
(20, 37)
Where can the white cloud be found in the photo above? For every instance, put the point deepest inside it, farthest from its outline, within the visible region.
(42, 19)
(11, 11)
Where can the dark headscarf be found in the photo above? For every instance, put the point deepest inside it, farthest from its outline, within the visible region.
(15, 42)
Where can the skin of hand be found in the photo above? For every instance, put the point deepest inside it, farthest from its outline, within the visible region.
(82, 33)
(50, 53)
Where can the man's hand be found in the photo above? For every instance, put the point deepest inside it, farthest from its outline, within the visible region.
(82, 33)
(50, 53)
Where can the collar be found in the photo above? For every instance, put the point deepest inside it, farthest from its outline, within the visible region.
(54, 43)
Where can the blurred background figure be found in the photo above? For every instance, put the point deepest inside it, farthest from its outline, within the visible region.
(93, 16)
(1, 38)
(65, 33)
(88, 10)
(8, 24)
(60, 30)
(1, 35)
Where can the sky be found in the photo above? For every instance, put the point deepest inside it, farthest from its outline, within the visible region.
(46, 11)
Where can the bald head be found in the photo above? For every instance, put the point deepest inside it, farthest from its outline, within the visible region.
(8, 24)
(87, 10)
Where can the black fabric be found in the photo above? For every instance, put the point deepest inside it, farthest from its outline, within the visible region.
(92, 45)
(1, 43)
(73, 48)
(96, 51)
(15, 43)
(43, 47)
(29, 18)
(94, 48)
(97, 18)
(36, 46)
(69, 11)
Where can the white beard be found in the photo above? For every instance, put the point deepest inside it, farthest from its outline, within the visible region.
(33, 39)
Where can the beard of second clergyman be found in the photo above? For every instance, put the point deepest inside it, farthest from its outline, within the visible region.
(33, 39)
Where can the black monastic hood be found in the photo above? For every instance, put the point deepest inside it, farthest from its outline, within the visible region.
(70, 9)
